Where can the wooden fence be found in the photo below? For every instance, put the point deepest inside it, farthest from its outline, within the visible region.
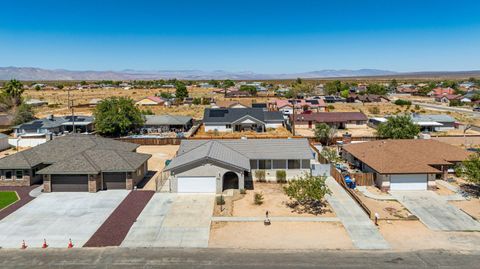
(363, 179)
(339, 178)
(151, 141)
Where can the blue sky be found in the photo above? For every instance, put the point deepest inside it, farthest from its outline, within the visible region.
(260, 36)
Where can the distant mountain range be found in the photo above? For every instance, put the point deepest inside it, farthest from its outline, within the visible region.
(37, 74)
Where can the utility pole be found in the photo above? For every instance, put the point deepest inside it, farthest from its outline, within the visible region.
(293, 116)
(70, 106)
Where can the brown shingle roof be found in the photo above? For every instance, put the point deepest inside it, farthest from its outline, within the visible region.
(331, 117)
(406, 156)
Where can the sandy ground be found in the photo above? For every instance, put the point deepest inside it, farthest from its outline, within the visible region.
(388, 210)
(279, 132)
(274, 201)
(410, 234)
(442, 191)
(366, 131)
(10, 151)
(280, 235)
(471, 207)
(159, 155)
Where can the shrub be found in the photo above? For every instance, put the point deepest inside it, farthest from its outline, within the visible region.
(258, 198)
(417, 107)
(281, 176)
(220, 200)
(330, 107)
(243, 191)
(401, 102)
(260, 175)
(307, 193)
(374, 110)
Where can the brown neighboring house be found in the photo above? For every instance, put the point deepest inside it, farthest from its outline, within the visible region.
(367, 98)
(340, 120)
(404, 164)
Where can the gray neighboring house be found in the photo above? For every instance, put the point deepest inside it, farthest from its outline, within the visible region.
(434, 122)
(76, 163)
(212, 166)
(4, 142)
(166, 123)
(241, 119)
(52, 125)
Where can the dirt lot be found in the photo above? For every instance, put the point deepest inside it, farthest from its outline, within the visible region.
(285, 235)
(275, 201)
(159, 155)
(471, 207)
(407, 235)
(388, 210)
(279, 132)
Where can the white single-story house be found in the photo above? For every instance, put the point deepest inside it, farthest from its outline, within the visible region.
(241, 119)
(212, 166)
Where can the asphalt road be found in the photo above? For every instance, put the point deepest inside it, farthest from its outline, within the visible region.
(447, 108)
(221, 258)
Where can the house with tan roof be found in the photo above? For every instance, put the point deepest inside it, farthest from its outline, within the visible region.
(151, 101)
(404, 164)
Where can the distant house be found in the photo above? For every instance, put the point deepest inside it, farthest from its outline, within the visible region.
(151, 101)
(441, 91)
(166, 123)
(434, 122)
(340, 120)
(51, 126)
(367, 98)
(36, 102)
(334, 99)
(237, 93)
(243, 103)
(447, 98)
(286, 106)
(401, 165)
(241, 119)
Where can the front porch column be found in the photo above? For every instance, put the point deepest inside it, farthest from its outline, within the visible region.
(241, 181)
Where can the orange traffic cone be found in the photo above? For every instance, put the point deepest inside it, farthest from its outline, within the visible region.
(24, 246)
(44, 243)
(70, 244)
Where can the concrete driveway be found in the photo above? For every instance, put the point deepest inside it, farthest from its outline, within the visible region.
(435, 212)
(173, 220)
(58, 217)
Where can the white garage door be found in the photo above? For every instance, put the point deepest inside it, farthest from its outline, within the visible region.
(197, 184)
(408, 182)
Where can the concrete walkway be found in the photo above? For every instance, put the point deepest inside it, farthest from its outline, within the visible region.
(367, 193)
(435, 212)
(361, 229)
(276, 219)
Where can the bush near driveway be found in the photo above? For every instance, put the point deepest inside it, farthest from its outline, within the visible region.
(307, 193)
(7, 198)
(260, 175)
(258, 198)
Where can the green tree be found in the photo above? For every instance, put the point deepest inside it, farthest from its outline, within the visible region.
(181, 91)
(450, 84)
(214, 83)
(228, 83)
(345, 93)
(376, 89)
(399, 127)
(330, 154)
(249, 88)
(117, 116)
(324, 133)
(14, 89)
(333, 87)
(470, 168)
(393, 83)
(60, 86)
(307, 193)
(298, 81)
(23, 113)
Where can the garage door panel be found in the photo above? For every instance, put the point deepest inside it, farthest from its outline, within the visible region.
(408, 182)
(114, 181)
(69, 183)
(197, 185)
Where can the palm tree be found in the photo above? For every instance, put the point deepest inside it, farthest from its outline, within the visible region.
(14, 90)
